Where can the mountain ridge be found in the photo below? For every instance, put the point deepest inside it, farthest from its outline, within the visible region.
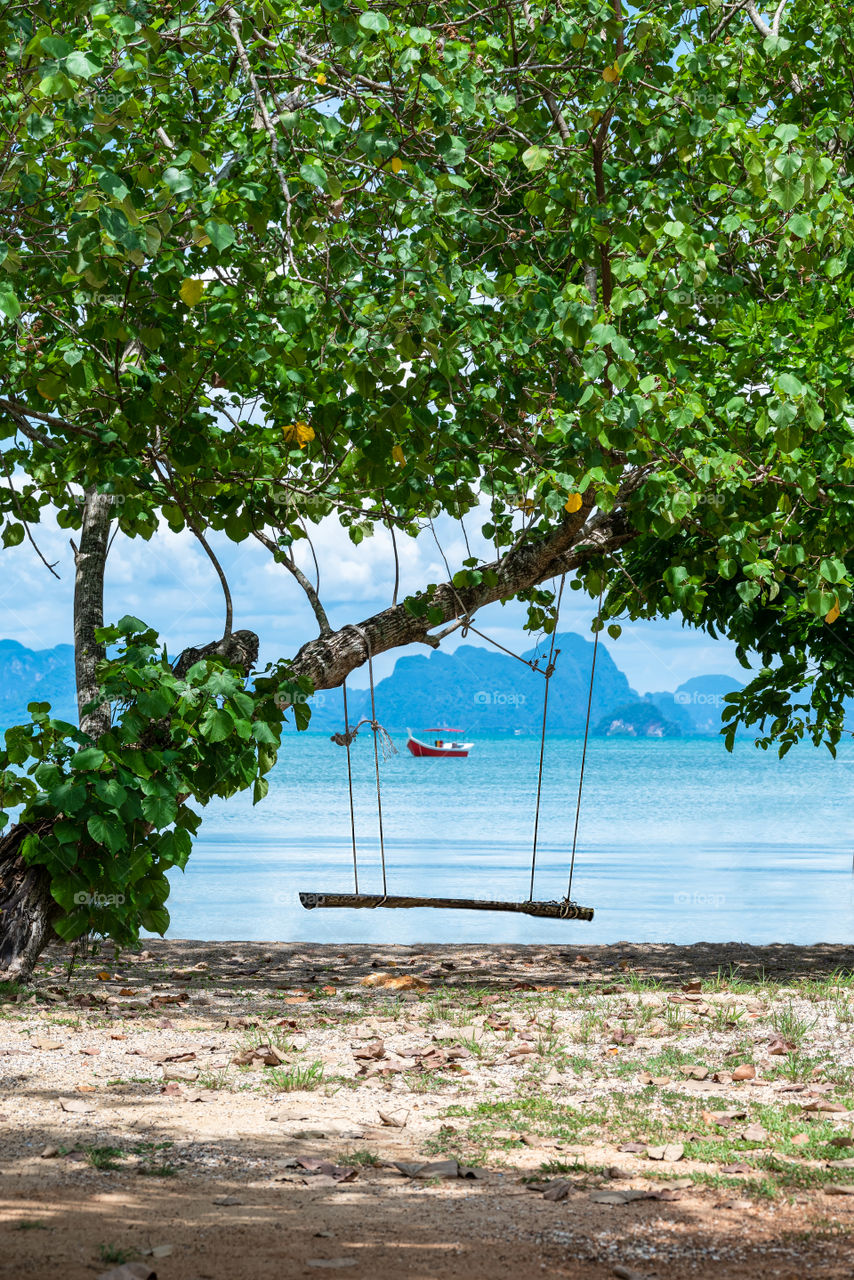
(473, 689)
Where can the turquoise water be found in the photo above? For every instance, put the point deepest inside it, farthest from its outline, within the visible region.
(678, 842)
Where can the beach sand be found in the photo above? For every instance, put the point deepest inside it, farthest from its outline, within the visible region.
(127, 1127)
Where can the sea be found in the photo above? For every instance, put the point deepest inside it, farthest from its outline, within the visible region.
(678, 841)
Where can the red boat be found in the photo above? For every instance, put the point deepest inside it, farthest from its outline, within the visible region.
(442, 746)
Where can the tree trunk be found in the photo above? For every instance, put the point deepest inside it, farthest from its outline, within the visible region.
(27, 909)
(90, 561)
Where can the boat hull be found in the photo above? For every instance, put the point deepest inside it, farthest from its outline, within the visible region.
(422, 749)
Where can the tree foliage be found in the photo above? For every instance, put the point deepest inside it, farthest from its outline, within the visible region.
(270, 263)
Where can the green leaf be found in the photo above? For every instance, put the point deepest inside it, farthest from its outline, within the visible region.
(217, 726)
(535, 158)
(155, 920)
(88, 759)
(106, 831)
(221, 234)
(9, 304)
(177, 180)
(373, 21)
(159, 810)
(800, 225)
(789, 385)
(82, 64)
(112, 184)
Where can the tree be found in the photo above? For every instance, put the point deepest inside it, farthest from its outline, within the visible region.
(276, 262)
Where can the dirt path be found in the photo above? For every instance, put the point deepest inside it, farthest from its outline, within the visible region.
(244, 1110)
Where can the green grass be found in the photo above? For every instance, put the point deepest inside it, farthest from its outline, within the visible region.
(112, 1253)
(790, 1024)
(291, 1079)
(31, 1224)
(103, 1158)
(158, 1171)
(368, 1159)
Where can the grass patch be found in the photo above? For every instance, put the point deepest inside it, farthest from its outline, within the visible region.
(368, 1159)
(103, 1158)
(292, 1079)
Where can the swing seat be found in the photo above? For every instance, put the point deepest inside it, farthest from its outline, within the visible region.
(563, 910)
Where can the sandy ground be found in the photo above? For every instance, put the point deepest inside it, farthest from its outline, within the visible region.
(129, 1133)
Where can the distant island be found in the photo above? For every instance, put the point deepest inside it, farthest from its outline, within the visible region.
(475, 689)
(484, 691)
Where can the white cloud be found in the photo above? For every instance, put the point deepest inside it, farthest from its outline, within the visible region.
(170, 583)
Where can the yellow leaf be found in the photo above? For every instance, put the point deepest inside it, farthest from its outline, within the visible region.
(397, 455)
(573, 503)
(300, 433)
(610, 74)
(526, 504)
(191, 291)
(320, 78)
(834, 612)
(396, 164)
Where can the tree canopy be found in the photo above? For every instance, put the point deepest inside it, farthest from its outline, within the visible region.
(269, 263)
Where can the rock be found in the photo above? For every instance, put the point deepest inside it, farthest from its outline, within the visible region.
(172, 1072)
(130, 1271)
(49, 1152)
(744, 1072)
(617, 1197)
(330, 1264)
(671, 1151)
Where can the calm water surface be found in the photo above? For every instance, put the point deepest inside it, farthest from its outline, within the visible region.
(679, 842)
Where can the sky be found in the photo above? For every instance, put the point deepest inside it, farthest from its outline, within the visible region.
(171, 585)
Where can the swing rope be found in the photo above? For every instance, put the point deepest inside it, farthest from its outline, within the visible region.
(346, 743)
(584, 747)
(565, 909)
(549, 671)
(377, 729)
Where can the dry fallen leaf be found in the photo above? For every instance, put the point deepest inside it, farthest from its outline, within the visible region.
(744, 1072)
(372, 1051)
(78, 1105)
(777, 1046)
(694, 1072)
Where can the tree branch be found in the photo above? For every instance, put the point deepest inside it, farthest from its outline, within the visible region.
(328, 660)
(291, 565)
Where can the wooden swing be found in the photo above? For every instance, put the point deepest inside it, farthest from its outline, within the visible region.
(560, 909)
